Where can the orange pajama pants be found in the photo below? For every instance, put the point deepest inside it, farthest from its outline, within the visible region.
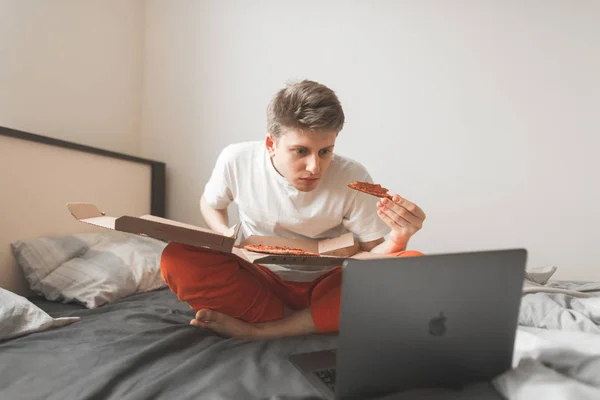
(226, 283)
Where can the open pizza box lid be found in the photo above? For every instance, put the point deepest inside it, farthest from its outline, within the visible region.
(331, 251)
(156, 227)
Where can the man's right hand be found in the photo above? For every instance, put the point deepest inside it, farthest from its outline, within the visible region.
(405, 218)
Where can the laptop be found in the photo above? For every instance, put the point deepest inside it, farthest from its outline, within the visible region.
(435, 321)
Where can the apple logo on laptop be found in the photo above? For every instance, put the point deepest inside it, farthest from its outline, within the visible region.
(437, 325)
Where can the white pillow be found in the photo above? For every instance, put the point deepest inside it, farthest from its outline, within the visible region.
(19, 316)
(92, 268)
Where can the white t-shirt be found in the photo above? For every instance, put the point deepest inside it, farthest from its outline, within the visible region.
(270, 206)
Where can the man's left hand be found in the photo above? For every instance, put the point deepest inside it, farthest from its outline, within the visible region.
(402, 216)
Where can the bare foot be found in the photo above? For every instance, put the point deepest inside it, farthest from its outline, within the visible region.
(225, 325)
(298, 323)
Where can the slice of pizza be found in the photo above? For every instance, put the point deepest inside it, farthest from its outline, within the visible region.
(279, 250)
(370, 188)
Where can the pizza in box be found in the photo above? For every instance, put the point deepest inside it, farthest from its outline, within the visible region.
(278, 250)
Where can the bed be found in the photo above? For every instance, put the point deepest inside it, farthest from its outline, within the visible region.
(141, 346)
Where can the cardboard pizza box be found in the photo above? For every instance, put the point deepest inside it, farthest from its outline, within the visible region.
(156, 227)
(332, 252)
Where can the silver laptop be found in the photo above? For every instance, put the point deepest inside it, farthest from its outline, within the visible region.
(436, 321)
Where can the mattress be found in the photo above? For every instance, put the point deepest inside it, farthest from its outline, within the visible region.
(143, 347)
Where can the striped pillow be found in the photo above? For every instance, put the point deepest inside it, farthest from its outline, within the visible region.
(92, 268)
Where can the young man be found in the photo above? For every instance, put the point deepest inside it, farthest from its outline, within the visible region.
(293, 186)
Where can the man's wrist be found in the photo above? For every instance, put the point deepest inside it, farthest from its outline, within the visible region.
(223, 229)
(218, 228)
(396, 247)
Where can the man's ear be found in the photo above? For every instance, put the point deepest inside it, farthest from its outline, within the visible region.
(270, 143)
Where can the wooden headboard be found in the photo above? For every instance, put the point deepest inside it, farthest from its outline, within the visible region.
(39, 175)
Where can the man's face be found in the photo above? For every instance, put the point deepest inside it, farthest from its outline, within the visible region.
(301, 157)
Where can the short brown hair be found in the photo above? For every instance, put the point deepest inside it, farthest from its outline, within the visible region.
(307, 106)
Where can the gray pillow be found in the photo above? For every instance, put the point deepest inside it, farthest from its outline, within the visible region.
(19, 316)
(91, 268)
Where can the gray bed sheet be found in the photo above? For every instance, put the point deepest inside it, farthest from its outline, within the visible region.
(143, 347)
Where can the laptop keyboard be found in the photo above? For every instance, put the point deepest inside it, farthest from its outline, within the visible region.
(327, 376)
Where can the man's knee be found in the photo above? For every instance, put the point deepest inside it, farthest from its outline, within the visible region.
(209, 279)
(189, 270)
(182, 261)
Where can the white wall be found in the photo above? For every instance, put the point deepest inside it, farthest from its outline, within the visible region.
(72, 69)
(484, 113)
